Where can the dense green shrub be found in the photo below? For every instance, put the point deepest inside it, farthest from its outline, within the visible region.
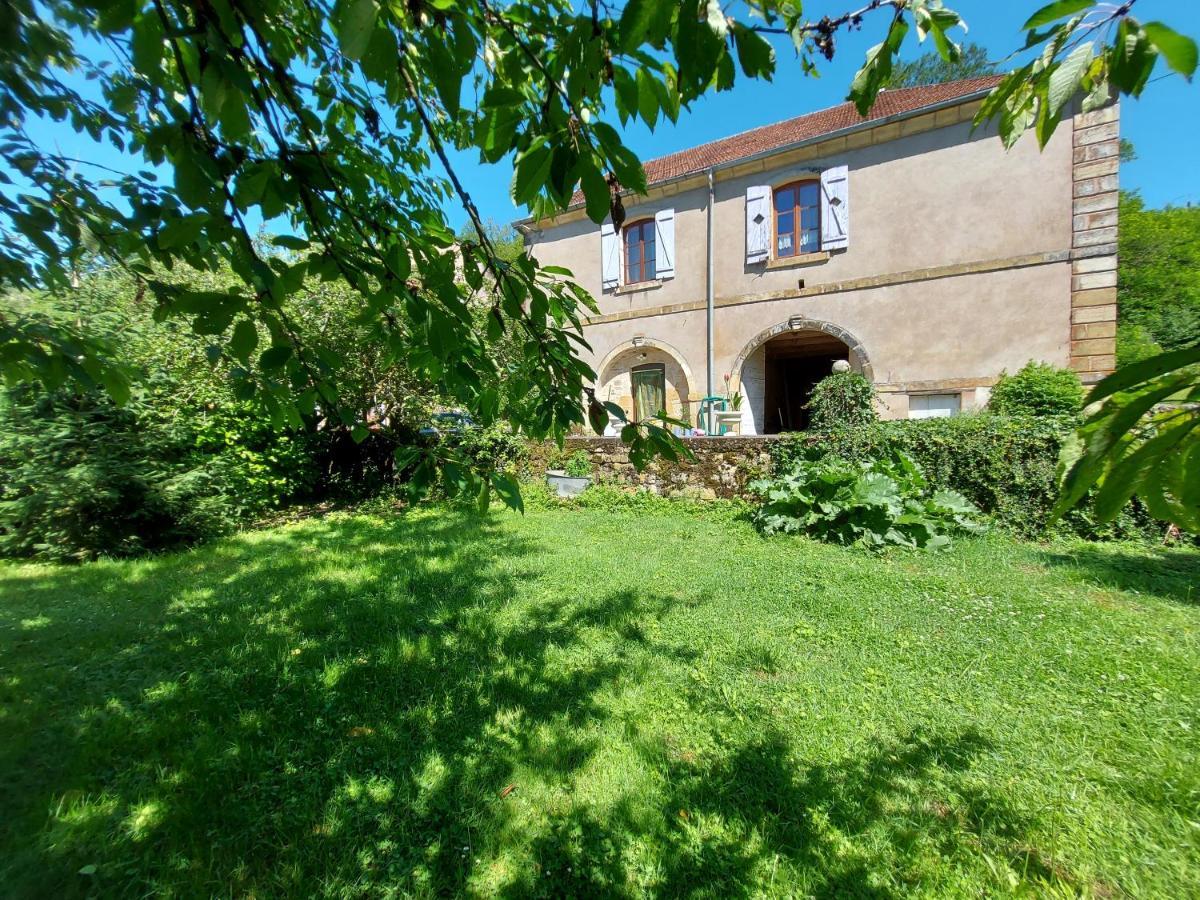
(842, 400)
(1007, 467)
(195, 452)
(83, 478)
(1037, 389)
(494, 448)
(874, 504)
(576, 463)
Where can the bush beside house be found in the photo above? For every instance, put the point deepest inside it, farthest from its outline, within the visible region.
(842, 400)
(1037, 389)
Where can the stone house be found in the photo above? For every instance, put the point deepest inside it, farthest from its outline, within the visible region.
(907, 243)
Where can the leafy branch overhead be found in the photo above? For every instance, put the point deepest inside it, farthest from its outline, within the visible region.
(332, 122)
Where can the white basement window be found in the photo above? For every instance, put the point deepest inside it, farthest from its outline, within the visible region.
(933, 406)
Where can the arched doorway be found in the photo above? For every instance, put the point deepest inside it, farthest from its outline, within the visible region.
(643, 377)
(779, 368)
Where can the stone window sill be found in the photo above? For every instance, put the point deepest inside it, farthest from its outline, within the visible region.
(638, 286)
(804, 259)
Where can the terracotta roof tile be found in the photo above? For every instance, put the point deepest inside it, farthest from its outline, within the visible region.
(801, 128)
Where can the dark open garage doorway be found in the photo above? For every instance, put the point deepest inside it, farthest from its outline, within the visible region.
(795, 362)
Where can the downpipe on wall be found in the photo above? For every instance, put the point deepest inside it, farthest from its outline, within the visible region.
(708, 305)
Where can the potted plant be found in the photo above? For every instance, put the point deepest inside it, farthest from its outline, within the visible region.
(569, 475)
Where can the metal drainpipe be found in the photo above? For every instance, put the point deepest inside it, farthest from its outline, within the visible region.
(709, 299)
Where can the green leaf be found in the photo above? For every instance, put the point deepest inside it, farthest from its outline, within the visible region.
(508, 491)
(355, 25)
(244, 339)
(647, 98)
(625, 89)
(291, 242)
(1064, 80)
(1052, 12)
(1126, 477)
(1178, 50)
(644, 22)
(275, 357)
(1131, 59)
(597, 416)
(398, 261)
(442, 69)
(147, 42)
(195, 180)
(596, 194)
(531, 173)
(496, 127)
(755, 53)
(379, 62)
(875, 70)
(181, 231)
(1128, 376)
(359, 433)
(116, 384)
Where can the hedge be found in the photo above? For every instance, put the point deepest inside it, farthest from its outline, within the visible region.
(1005, 465)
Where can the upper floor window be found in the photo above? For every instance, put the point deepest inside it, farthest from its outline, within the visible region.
(639, 252)
(797, 218)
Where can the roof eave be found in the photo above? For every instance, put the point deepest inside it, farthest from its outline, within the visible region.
(785, 148)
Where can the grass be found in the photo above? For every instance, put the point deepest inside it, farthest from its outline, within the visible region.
(599, 703)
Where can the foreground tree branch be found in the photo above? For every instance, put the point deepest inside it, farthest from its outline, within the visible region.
(330, 121)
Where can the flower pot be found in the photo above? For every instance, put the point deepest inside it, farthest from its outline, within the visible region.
(565, 485)
(728, 421)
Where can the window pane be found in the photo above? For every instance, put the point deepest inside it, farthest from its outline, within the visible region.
(810, 240)
(785, 199)
(933, 406)
(634, 252)
(785, 238)
(810, 194)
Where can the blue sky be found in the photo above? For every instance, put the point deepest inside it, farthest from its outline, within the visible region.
(1164, 124)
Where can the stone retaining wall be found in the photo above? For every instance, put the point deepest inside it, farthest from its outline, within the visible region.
(722, 468)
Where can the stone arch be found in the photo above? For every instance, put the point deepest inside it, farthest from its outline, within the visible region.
(859, 360)
(613, 373)
(640, 343)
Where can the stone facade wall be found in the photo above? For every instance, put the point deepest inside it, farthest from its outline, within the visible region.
(722, 468)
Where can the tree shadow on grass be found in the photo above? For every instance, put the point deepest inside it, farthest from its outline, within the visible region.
(859, 827)
(1169, 574)
(330, 709)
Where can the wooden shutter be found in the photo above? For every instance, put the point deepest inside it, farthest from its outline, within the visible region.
(664, 238)
(610, 256)
(835, 208)
(758, 223)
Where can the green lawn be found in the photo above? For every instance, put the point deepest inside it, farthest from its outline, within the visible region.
(599, 703)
